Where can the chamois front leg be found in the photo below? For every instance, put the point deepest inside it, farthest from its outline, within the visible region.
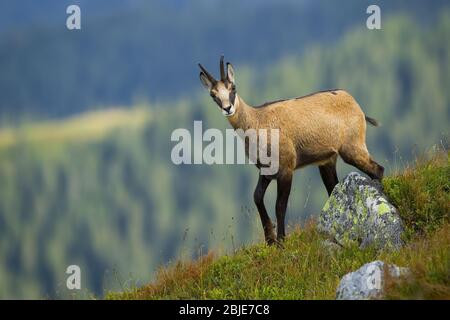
(258, 196)
(284, 183)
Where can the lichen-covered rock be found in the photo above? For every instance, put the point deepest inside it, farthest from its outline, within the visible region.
(368, 282)
(357, 210)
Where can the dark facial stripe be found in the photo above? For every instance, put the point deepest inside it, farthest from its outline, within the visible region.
(232, 96)
(217, 100)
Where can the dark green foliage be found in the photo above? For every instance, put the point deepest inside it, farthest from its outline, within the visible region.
(134, 50)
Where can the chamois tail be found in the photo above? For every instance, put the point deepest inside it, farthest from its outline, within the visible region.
(372, 121)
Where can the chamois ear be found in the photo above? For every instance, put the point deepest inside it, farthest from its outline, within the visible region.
(205, 81)
(230, 73)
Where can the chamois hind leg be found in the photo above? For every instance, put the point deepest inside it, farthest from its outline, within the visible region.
(359, 157)
(258, 196)
(284, 183)
(329, 175)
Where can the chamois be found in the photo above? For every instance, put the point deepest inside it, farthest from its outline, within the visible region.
(313, 129)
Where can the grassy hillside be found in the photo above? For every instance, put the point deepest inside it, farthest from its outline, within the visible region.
(308, 269)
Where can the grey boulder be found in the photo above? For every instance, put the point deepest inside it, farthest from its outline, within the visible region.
(368, 282)
(358, 210)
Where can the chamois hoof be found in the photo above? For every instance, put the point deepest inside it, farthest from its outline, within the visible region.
(280, 244)
(274, 242)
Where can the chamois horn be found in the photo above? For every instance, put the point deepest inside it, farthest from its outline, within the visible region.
(222, 69)
(210, 77)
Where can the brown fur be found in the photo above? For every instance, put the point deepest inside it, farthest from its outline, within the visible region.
(313, 129)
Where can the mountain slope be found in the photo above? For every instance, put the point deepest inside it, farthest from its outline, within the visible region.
(307, 269)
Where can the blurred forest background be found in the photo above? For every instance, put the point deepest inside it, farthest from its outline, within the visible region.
(86, 118)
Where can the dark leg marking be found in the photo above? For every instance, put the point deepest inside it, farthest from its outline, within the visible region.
(364, 163)
(258, 197)
(378, 169)
(329, 176)
(284, 184)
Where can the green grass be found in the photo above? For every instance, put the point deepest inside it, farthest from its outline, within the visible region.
(306, 268)
(422, 194)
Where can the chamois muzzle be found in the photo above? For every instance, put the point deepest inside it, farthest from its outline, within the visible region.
(228, 109)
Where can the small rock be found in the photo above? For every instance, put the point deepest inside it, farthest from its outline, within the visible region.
(358, 210)
(368, 281)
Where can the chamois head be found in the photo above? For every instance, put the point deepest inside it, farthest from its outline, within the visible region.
(222, 91)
